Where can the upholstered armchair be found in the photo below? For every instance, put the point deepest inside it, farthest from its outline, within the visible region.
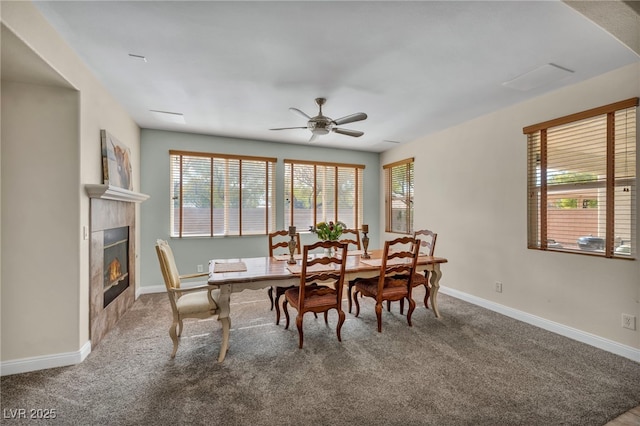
(189, 302)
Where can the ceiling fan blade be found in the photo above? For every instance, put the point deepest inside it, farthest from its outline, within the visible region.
(354, 133)
(314, 138)
(358, 116)
(287, 128)
(297, 111)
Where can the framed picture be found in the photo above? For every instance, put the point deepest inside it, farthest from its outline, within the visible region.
(116, 162)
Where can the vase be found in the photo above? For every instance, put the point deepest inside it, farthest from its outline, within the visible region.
(329, 252)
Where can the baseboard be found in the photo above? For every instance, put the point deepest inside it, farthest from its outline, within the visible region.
(561, 329)
(44, 362)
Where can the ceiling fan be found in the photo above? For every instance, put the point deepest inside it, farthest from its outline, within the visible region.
(321, 124)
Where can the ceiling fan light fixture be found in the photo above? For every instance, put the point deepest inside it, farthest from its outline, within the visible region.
(319, 127)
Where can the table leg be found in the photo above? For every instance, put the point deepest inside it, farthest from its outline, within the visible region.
(435, 286)
(223, 303)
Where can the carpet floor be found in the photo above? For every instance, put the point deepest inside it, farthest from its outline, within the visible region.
(472, 367)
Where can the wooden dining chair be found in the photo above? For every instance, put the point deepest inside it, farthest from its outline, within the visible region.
(320, 289)
(427, 247)
(193, 302)
(351, 237)
(397, 269)
(277, 241)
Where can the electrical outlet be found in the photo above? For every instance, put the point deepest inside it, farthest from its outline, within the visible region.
(629, 321)
(200, 268)
(498, 287)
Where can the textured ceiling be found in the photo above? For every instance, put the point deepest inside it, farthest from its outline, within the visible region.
(234, 68)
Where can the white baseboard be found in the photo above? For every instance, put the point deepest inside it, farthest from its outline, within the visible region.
(561, 329)
(46, 361)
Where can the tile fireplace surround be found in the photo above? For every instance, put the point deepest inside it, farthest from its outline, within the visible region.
(110, 208)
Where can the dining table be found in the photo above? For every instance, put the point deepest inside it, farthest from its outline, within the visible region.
(234, 275)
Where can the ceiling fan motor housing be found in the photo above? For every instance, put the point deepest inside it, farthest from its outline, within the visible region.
(320, 125)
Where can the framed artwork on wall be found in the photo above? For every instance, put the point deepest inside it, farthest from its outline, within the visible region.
(116, 162)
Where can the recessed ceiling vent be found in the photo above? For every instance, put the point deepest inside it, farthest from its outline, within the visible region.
(541, 76)
(169, 117)
(138, 57)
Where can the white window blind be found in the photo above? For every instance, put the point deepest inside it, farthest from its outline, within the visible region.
(398, 178)
(582, 182)
(220, 195)
(318, 191)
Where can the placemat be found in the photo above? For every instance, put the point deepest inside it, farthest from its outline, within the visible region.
(378, 262)
(229, 267)
(286, 256)
(297, 269)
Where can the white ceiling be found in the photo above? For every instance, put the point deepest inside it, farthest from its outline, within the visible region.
(234, 68)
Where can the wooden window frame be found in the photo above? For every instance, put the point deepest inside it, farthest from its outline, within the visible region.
(538, 193)
(269, 185)
(388, 196)
(358, 191)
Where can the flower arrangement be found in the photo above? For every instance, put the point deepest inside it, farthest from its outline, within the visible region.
(328, 231)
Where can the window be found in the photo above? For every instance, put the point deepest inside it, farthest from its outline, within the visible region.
(316, 192)
(219, 195)
(582, 182)
(398, 189)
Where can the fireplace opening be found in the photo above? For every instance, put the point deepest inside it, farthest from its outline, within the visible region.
(116, 263)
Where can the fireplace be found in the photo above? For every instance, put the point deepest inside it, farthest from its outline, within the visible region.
(112, 264)
(116, 263)
(112, 256)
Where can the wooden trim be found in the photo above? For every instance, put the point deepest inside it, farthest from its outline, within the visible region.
(399, 163)
(292, 196)
(324, 163)
(335, 195)
(239, 198)
(181, 201)
(227, 156)
(357, 204)
(210, 200)
(408, 201)
(387, 200)
(606, 109)
(315, 195)
(266, 195)
(610, 192)
(543, 189)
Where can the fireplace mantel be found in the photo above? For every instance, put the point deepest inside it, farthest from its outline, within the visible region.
(109, 192)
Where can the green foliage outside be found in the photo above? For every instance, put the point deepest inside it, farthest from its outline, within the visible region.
(196, 185)
(572, 177)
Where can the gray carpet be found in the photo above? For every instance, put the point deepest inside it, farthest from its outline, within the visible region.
(472, 367)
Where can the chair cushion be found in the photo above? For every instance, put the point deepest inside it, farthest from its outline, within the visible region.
(169, 269)
(419, 279)
(197, 301)
(313, 297)
(393, 286)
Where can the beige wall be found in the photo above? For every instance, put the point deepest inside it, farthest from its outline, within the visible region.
(40, 206)
(30, 235)
(470, 187)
